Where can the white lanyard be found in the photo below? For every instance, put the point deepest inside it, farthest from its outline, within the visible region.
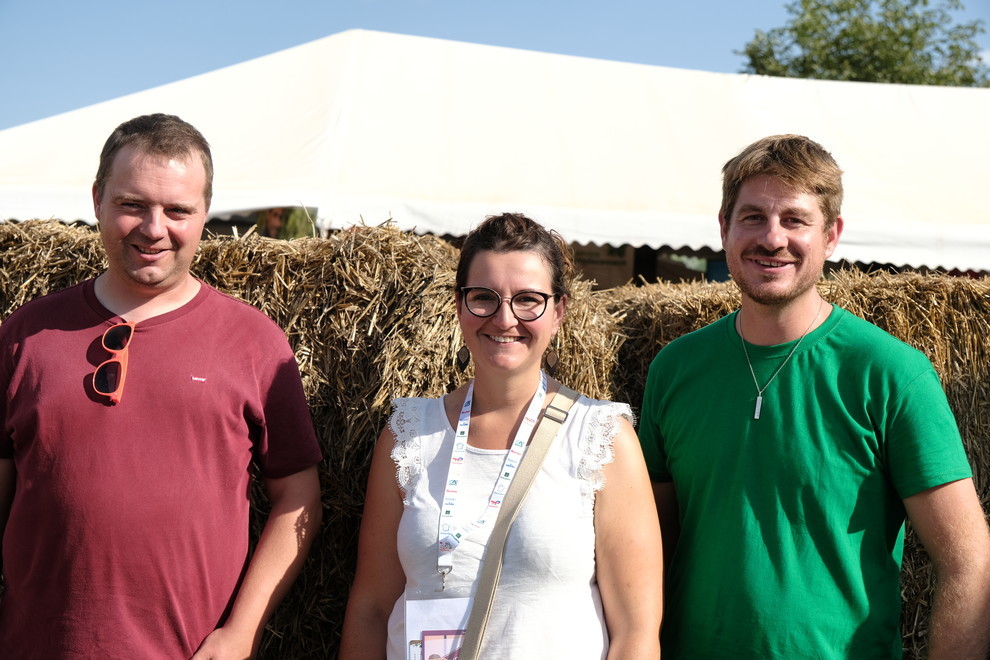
(449, 536)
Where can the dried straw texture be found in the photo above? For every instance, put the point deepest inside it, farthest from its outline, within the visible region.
(44, 256)
(947, 318)
(370, 315)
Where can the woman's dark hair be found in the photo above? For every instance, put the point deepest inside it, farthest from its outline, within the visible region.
(512, 232)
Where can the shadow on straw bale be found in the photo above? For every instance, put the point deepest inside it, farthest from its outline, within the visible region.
(947, 318)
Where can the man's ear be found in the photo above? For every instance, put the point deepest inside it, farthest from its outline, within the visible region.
(96, 201)
(723, 227)
(832, 236)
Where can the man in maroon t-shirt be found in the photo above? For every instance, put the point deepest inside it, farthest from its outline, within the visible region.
(124, 512)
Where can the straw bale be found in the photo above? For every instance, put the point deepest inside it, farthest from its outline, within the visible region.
(652, 316)
(370, 315)
(41, 257)
(947, 318)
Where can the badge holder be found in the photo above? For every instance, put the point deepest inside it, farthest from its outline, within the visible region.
(436, 626)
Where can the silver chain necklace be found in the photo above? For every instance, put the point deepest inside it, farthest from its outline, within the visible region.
(761, 390)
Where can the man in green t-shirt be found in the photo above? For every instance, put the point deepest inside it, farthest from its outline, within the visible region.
(788, 442)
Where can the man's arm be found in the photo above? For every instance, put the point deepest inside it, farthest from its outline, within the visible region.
(285, 541)
(950, 523)
(670, 517)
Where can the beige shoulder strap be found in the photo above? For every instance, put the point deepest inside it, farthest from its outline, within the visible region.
(491, 568)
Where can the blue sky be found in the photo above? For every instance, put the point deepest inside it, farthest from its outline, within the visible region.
(58, 55)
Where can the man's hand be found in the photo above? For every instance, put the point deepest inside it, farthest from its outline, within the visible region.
(222, 644)
(285, 541)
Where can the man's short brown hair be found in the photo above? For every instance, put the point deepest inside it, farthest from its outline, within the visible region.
(801, 163)
(157, 135)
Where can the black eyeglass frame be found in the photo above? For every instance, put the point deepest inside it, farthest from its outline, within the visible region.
(465, 290)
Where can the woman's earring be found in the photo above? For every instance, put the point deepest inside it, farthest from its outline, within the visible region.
(550, 360)
(463, 358)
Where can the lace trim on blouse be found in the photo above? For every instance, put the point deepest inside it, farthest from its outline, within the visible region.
(408, 449)
(600, 429)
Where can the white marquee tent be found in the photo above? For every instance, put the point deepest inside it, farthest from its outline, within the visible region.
(435, 134)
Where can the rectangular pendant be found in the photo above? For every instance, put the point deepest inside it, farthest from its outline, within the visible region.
(759, 406)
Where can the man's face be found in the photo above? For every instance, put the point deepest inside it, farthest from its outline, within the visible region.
(151, 218)
(273, 220)
(775, 241)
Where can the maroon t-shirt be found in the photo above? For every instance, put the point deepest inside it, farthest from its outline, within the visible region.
(128, 532)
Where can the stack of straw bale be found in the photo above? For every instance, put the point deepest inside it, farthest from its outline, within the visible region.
(370, 315)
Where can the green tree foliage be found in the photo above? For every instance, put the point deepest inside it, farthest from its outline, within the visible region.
(895, 41)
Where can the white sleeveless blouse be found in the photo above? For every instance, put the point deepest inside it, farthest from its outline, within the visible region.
(547, 604)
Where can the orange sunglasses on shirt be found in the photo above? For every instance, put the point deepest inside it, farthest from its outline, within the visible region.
(108, 379)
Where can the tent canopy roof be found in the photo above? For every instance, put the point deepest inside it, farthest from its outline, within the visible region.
(434, 134)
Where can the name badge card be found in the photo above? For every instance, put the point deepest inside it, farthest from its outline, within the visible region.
(435, 627)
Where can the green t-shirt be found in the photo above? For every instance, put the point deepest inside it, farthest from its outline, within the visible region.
(792, 524)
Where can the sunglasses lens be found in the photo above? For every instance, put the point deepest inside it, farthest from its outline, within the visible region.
(106, 378)
(116, 338)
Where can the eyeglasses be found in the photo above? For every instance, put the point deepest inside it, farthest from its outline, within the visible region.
(108, 379)
(525, 305)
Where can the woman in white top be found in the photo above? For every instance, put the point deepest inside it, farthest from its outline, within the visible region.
(582, 575)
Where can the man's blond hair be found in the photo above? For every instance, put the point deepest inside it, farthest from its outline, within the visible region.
(801, 163)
